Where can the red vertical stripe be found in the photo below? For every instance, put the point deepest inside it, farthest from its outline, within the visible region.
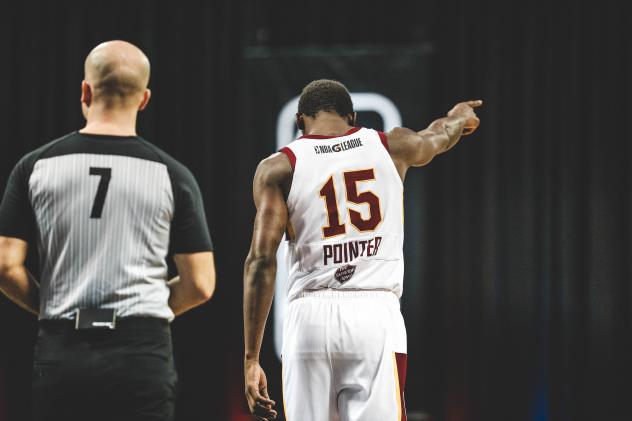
(402, 364)
(384, 139)
(290, 155)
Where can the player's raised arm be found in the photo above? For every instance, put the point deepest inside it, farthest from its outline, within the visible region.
(413, 149)
(270, 185)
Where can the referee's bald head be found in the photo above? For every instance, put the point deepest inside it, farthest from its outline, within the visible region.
(116, 76)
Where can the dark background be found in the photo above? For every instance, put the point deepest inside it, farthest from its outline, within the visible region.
(526, 305)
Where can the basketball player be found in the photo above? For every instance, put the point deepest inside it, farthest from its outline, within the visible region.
(336, 193)
(104, 206)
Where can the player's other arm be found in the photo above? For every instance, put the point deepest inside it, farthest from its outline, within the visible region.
(413, 149)
(16, 282)
(195, 283)
(270, 184)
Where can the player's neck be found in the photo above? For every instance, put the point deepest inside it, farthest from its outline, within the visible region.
(110, 122)
(328, 126)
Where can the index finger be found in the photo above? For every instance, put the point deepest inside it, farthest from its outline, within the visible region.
(475, 103)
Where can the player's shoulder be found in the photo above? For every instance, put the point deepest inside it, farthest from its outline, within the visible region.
(400, 132)
(276, 168)
(398, 139)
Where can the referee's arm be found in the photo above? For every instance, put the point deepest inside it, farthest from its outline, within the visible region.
(191, 245)
(16, 282)
(195, 283)
(17, 228)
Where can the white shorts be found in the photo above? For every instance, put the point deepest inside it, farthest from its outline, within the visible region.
(344, 357)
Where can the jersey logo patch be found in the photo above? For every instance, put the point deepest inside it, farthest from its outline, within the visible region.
(338, 147)
(344, 273)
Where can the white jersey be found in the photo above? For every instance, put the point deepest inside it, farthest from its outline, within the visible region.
(346, 213)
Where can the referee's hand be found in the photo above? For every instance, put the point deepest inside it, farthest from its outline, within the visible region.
(259, 402)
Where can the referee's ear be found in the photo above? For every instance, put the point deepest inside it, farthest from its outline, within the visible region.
(86, 93)
(145, 101)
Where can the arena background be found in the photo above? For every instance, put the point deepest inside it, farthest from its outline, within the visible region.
(518, 296)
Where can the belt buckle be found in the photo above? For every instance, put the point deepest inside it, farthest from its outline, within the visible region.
(95, 318)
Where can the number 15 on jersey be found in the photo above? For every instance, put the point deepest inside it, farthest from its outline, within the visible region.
(351, 179)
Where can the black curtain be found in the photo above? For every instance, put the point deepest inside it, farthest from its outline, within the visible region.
(529, 273)
(526, 301)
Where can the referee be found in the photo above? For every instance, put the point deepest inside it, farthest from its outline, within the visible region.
(105, 207)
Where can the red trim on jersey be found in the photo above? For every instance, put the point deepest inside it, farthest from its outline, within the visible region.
(290, 155)
(384, 140)
(402, 364)
(317, 136)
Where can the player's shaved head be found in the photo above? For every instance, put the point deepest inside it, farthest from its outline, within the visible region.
(116, 71)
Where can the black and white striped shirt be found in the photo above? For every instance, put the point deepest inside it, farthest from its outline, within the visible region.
(105, 211)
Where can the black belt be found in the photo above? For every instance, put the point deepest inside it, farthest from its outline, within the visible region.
(123, 323)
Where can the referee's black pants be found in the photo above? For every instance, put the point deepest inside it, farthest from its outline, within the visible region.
(115, 375)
